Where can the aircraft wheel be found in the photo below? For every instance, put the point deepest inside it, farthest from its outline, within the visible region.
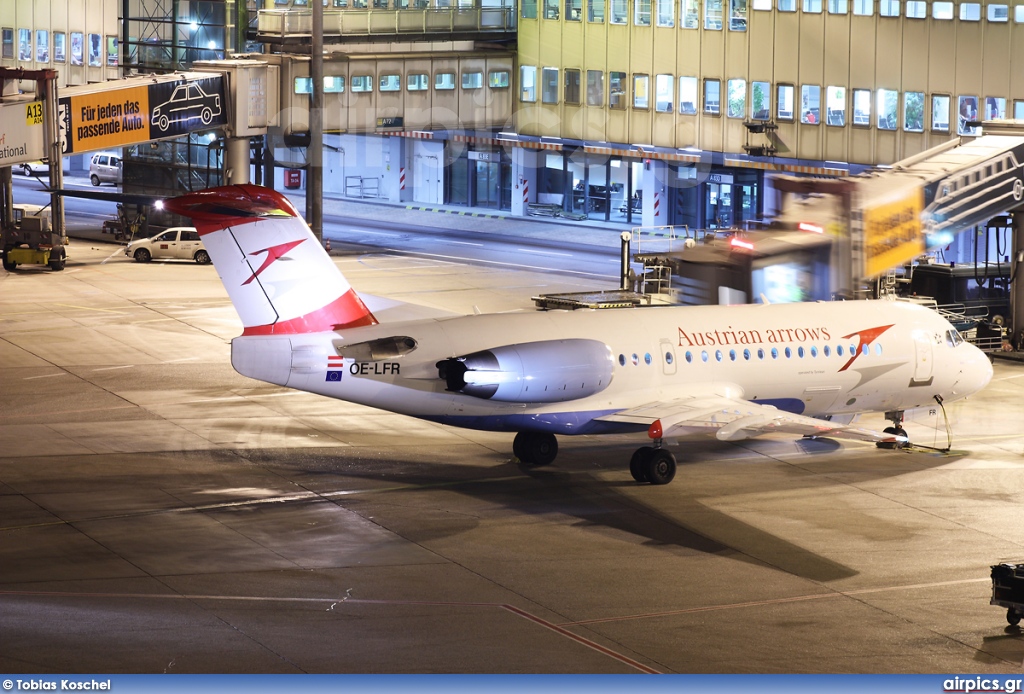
(1013, 616)
(535, 448)
(660, 467)
(890, 445)
(142, 256)
(638, 463)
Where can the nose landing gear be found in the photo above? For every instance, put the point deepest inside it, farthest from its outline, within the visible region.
(897, 430)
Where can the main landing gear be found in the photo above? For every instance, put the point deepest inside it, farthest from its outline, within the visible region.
(654, 465)
(896, 417)
(649, 464)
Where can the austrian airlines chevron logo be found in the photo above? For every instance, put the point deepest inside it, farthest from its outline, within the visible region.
(274, 253)
(866, 338)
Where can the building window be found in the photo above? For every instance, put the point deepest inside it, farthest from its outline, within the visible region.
(8, 43)
(864, 8)
(889, 8)
(995, 108)
(835, 106)
(641, 91)
(913, 112)
(713, 15)
(810, 104)
(528, 83)
(862, 107)
(887, 102)
(712, 97)
(940, 113)
(970, 12)
(762, 5)
(812, 6)
(595, 11)
(595, 88)
(617, 90)
(59, 47)
(787, 5)
(572, 86)
(663, 92)
(785, 101)
(942, 10)
(498, 79)
(688, 95)
(642, 13)
(666, 13)
(392, 83)
(760, 100)
(967, 110)
(574, 10)
(998, 13)
(25, 45)
(1018, 110)
(737, 15)
(1018, 14)
(690, 14)
(917, 9)
(550, 9)
(303, 85)
(77, 43)
(472, 80)
(620, 11)
(43, 46)
(528, 9)
(837, 6)
(443, 81)
(737, 90)
(362, 83)
(417, 82)
(549, 85)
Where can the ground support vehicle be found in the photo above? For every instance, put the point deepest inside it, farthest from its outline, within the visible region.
(32, 242)
(1008, 590)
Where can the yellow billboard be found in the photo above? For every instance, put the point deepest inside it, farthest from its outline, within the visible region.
(893, 234)
(110, 119)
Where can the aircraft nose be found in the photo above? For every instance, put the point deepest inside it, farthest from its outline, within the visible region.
(976, 372)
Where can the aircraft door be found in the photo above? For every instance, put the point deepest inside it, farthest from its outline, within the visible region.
(668, 357)
(923, 359)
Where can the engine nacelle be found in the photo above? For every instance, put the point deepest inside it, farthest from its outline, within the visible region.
(547, 371)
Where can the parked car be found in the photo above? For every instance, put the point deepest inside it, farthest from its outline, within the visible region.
(105, 167)
(37, 168)
(175, 243)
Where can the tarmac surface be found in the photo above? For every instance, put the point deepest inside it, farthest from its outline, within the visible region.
(160, 513)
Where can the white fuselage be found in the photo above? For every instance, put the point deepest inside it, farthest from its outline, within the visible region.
(814, 359)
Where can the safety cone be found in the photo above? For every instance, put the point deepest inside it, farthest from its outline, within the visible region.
(327, 245)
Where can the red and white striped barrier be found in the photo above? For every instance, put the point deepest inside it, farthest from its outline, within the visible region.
(526, 192)
(401, 178)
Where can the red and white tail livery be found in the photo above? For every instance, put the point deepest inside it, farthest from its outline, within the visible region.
(275, 272)
(733, 372)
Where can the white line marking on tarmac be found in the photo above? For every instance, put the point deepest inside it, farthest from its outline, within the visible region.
(32, 378)
(112, 368)
(527, 250)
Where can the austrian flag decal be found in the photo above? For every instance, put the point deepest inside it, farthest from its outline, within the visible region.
(335, 368)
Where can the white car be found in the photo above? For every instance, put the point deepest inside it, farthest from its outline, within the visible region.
(175, 243)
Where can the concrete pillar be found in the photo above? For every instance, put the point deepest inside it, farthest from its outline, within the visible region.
(524, 179)
(655, 194)
(236, 160)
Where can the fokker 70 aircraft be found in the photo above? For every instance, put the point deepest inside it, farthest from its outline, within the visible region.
(731, 371)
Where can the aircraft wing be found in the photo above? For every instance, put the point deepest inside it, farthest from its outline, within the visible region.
(734, 419)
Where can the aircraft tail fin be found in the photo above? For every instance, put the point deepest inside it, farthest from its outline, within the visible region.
(279, 278)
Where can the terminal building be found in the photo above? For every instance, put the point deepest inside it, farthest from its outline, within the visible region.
(640, 113)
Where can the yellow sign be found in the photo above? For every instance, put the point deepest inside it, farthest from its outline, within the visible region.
(112, 118)
(34, 113)
(893, 234)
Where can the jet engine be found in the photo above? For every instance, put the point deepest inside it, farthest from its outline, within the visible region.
(547, 371)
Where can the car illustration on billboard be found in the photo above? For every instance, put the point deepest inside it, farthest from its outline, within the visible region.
(188, 103)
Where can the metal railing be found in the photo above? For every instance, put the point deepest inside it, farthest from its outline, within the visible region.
(282, 24)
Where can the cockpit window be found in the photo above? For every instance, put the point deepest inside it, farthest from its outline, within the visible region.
(953, 338)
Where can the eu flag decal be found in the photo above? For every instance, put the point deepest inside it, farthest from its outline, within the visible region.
(335, 368)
